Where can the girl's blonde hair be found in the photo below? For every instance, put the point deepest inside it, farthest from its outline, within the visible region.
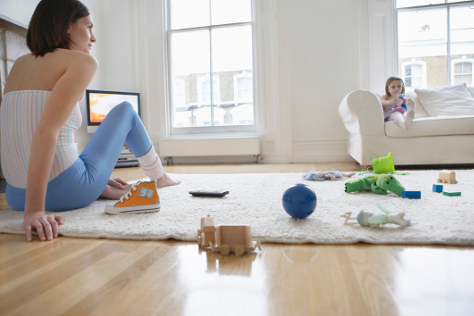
(389, 81)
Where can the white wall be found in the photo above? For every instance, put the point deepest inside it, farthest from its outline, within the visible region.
(323, 58)
(309, 57)
(19, 10)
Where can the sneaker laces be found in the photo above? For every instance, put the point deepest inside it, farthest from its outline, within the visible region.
(129, 193)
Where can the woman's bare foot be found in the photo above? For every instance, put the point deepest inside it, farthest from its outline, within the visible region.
(166, 181)
(114, 193)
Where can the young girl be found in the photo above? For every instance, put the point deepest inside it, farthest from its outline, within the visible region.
(39, 114)
(392, 105)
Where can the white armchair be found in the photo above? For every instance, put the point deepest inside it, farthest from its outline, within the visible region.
(429, 140)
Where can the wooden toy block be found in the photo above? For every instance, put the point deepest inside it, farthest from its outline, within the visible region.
(437, 188)
(226, 238)
(451, 193)
(411, 194)
(446, 176)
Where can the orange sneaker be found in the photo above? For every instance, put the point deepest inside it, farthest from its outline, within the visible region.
(145, 200)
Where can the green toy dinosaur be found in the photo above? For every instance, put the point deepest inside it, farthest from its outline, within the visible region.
(379, 184)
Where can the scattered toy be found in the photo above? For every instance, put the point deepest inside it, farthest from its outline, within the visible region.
(299, 200)
(411, 194)
(377, 184)
(382, 164)
(446, 176)
(437, 188)
(226, 238)
(452, 193)
(377, 220)
(327, 175)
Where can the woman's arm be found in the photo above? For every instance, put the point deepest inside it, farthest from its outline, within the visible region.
(67, 91)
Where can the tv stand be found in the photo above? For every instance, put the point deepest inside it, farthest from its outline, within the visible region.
(126, 159)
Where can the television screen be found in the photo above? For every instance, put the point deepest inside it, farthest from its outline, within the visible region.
(100, 103)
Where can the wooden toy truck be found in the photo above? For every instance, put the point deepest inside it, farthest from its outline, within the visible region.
(226, 238)
(447, 177)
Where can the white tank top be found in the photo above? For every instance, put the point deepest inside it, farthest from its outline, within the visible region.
(20, 113)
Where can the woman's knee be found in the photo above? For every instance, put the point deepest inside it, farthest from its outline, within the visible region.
(124, 109)
(122, 112)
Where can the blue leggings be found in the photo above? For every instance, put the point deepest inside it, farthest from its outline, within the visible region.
(85, 180)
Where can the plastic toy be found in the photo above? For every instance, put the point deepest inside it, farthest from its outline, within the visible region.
(401, 96)
(376, 184)
(377, 220)
(447, 177)
(437, 188)
(327, 175)
(383, 164)
(225, 238)
(299, 200)
(452, 193)
(411, 194)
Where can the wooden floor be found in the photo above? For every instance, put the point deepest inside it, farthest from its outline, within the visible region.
(74, 276)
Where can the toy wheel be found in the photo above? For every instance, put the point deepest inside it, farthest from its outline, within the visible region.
(225, 250)
(239, 250)
(200, 241)
(439, 180)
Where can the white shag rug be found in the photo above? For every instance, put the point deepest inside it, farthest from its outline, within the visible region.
(255, 199)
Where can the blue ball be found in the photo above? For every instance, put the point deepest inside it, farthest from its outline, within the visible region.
(299, 201)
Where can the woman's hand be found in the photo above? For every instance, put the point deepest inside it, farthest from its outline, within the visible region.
(117, 183)
(47, 226)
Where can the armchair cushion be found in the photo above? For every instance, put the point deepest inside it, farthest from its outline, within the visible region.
(450, 101)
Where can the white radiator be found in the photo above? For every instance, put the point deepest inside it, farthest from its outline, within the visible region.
(210, 147)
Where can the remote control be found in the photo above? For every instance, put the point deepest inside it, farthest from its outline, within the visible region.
(209, 193)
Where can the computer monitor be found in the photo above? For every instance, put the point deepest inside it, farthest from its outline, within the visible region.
(100, 102)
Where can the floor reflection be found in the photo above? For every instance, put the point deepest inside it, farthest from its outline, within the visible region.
(219, 263)
(219, 284)
(441, 278)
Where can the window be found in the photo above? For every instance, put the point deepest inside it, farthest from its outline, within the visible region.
(204, 91)
(434, 36)
(210, 39)
(413, 74)
(462, 71)
(243, 88)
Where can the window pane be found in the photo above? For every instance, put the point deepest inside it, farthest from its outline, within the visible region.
(230, 11)
(467, 68)
(231, 58)
(458, 68)
(408, 83)
(190, 61)
(189, 13)
(414, 3)
(467, 79)
(422, 37)
(462, 43)
(462, 31)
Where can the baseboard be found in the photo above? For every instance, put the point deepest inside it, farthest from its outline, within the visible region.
(324, 151)
(209, 147)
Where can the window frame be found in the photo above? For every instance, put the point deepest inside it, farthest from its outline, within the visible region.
(463, 60)
(423, 72)
(237, 88)
(176, 131)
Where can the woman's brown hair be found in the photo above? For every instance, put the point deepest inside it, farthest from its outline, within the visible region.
(49, 25)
